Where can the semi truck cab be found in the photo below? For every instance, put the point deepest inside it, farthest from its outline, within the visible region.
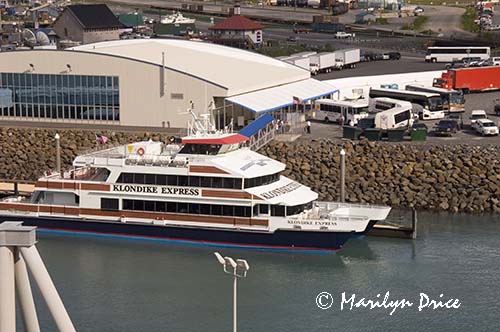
(444, 82)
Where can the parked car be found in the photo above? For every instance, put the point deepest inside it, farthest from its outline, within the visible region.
(418, 10)
(419, 125)
(446, 127)
(485, 127)
(458, 118)
(393, 55)
(477, 115)
(292, 39)
(495, 61)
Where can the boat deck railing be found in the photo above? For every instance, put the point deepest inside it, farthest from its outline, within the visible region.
(336, 205)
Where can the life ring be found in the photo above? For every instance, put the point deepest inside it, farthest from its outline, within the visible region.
(171, 139)
(140, 151)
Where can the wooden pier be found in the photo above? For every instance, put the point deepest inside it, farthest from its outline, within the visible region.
(397, 229)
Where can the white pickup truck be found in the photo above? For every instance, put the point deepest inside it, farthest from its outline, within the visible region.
(343, 35)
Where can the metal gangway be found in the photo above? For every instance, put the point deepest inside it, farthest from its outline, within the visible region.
(18, 253)
(260, 131)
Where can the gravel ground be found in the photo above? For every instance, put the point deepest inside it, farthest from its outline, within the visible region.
(467, 136)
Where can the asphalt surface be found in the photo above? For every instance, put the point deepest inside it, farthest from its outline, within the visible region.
(384, 67)
(476, 101)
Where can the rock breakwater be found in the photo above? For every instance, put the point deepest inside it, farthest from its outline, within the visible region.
(460, 178)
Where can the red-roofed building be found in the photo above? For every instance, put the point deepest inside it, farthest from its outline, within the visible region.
(237, 31)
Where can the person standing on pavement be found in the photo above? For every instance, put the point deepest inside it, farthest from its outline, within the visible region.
(308, 127)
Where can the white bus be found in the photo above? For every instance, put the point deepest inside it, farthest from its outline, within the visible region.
(331, 110)
(389, 114)
(448, 54)
(397, 117)
(453, 100)
(431, 106)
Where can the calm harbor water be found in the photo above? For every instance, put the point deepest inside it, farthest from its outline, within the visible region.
(129, 286)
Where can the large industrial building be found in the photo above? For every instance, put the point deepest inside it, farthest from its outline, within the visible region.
(151, 83)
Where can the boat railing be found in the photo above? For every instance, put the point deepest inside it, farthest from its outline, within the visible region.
(336, 205)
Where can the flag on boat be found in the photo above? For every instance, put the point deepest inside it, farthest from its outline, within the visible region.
(100, 139)
(297, 100)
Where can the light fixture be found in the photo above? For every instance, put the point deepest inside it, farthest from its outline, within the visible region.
(69, 67)
(240, 268)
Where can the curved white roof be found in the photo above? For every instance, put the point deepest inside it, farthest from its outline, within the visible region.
(237, 70)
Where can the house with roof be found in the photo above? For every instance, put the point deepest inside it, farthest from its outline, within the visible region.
(237, 31)
(366, 17)
(88, 24)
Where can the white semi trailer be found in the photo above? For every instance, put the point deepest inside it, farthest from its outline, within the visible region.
(347, 58)
(322, 62)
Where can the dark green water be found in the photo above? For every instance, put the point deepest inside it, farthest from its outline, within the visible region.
(128, 286)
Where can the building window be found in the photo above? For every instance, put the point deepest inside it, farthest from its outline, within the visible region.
(62, 96)
(177, 96)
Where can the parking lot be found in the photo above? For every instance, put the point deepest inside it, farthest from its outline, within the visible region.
(476, 101)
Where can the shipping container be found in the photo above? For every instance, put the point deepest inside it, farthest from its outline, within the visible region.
(470, 79)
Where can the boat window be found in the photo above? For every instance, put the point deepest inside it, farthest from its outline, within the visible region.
(193, 181)
(171, 207)
(216, 182)
(262, 180)
(227, 210)
(216, 210)
(161, 180)
(191, 208)
(296, 209)
(149, 206)
(139, 178)
(263, 209)
(206, 182)
(228, 183)
(182, 180)
(204, 149)
(205, 209)
(194, 208)
(139, 205)
(182, 207)
(277, 210)
(150, 179)
(109, 204)
(172, 180)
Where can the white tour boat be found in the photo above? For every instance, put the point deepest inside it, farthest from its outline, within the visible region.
(209, 189)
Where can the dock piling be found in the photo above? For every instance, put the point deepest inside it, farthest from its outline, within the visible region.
(414, 221)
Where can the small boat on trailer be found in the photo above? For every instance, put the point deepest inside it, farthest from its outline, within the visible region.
(209, 189)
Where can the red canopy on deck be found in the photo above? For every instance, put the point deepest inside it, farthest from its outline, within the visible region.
(231, 139)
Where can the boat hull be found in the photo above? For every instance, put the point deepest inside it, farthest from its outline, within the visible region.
(279, 240)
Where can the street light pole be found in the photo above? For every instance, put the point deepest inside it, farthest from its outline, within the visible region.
(58, 154)
(240, 268)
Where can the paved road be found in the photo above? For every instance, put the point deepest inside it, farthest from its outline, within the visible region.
(405, 65)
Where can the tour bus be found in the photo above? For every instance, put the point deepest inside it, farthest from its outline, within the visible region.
(397, 117)
(453, 100)
(331, 110)
(430, 103)
(448, 54)
(389, 114)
